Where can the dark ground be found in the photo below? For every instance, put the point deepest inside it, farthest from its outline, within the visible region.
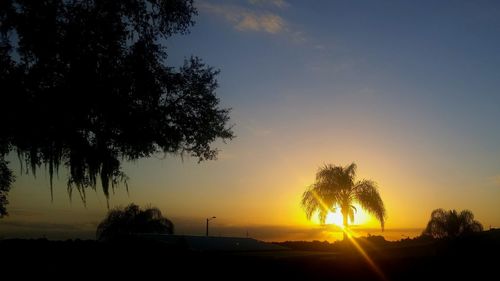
(475, 257)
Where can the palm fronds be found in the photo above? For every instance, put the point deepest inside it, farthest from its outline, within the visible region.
(367, 195)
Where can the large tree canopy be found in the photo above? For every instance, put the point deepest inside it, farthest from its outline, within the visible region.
(85, 84)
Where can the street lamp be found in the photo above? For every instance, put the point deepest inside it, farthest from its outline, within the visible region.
(208, 219)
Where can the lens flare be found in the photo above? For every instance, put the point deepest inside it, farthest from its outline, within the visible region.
(363, 253)
(350, 235)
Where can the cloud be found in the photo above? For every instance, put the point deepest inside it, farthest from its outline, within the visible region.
(319, 47)
(277, 3)
(257, 129)
(244, 19)
(24, 212)
(37, 229)
(269, 23)
(49, 225)
(494, 180)
(298, 37)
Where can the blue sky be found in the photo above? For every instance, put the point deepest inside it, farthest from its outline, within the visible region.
(406, 89)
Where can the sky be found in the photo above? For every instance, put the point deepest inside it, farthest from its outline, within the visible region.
(408, 90)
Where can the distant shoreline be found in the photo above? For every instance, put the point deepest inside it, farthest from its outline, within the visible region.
(264, 233)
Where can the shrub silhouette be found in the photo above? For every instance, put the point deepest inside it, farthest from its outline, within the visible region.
(451, 224)
(132, 219)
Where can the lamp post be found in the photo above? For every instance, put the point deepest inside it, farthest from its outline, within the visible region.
(209, 219)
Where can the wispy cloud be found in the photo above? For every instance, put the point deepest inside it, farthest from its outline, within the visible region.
(319, 47)
(276, 3)
(244, 19)
(268, 22)
(52, 230)
(494, 180)
(39, 225)
(19, 212)
(34, 226)
(256, 129)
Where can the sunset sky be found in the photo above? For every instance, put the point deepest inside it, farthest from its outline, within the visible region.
(408, 90)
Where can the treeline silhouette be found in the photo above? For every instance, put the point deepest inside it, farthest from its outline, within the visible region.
(372, 240)
(443, 228)
(426, 257)
(472, 256)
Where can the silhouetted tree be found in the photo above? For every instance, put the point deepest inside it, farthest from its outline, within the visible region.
(85, 84)
(335, 187)
(133, 220)
(6, 179)
(451, 224)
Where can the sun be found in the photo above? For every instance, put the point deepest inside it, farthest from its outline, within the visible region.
(360, 217)
(334, 218)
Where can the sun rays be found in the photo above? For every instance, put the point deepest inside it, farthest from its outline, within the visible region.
(334, 217)
(364, 254)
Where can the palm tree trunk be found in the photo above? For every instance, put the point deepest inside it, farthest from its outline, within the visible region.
(345, 223)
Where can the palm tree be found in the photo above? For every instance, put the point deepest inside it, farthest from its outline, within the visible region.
(335, 187)
(133, 220)
(451, 224)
